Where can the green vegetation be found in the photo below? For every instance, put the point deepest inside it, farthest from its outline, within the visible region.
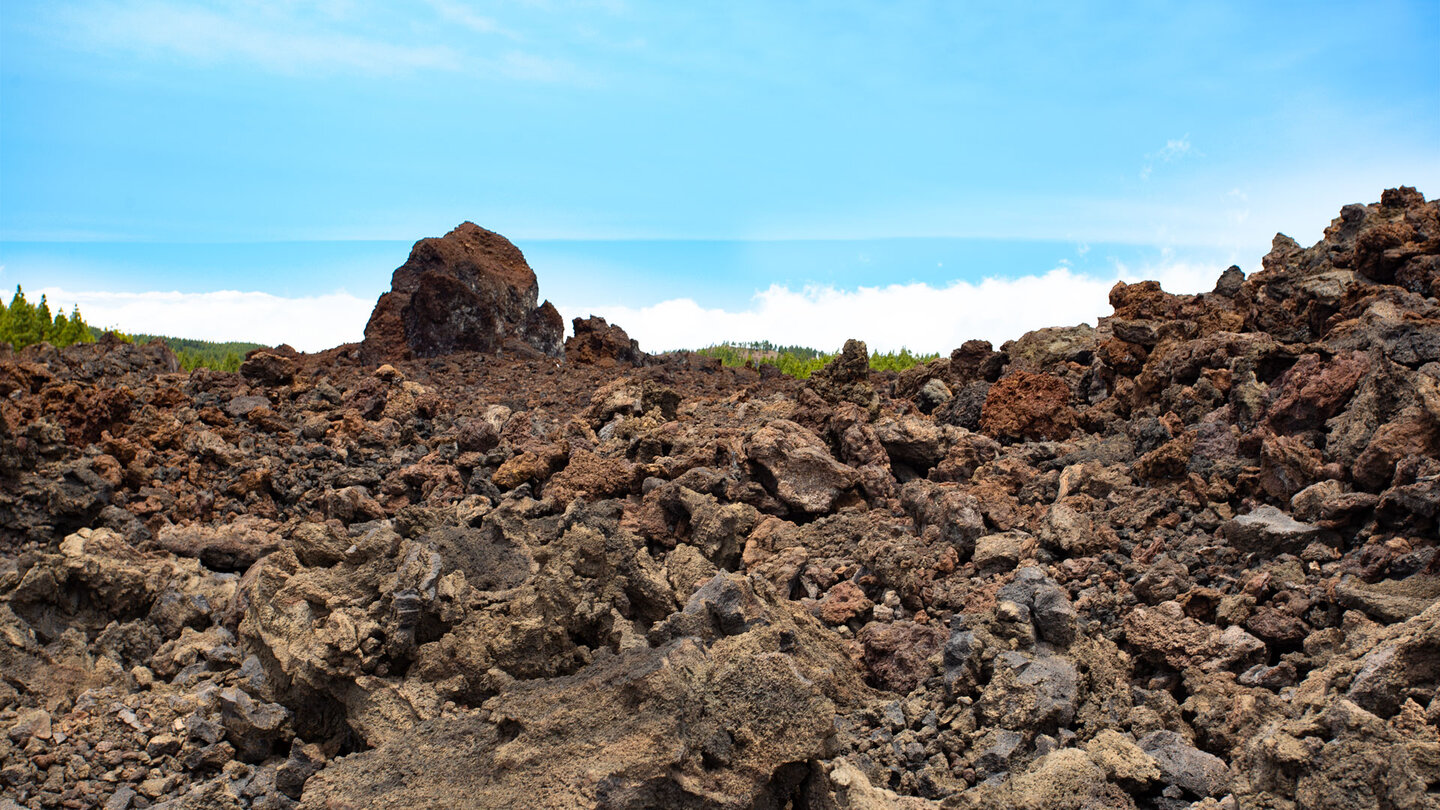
(801, 361)
(23, 323)
(194, 354)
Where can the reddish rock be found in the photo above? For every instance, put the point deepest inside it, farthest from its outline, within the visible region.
(1026, 405)
(1413, 433)
(590, 476)
(844, 602)
(897, 654)
(533, 465)
(469, 290)
(1314, 390)
(602, 344)
(1142, 301)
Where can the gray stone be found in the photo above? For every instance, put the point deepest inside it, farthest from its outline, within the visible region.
(997, 553)
(1054, 617)
(996, 757)
(1270, 530)
(1184, 765)
(121, 798)
(961, 652)
(1030, 692)
(253, 726)
(934, 394)
(239, 406)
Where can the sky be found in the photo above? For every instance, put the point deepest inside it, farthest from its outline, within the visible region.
(909, 173)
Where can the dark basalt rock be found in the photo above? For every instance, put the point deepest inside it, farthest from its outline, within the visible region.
(469, 290)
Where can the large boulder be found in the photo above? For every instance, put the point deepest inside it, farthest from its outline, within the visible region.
(795, 465)
(469, 290)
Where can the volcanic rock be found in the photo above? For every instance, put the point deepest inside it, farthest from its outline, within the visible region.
(1190, 562)
(469, 290)
(600, 343)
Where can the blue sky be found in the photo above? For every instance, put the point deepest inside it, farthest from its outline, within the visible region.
(644, 153)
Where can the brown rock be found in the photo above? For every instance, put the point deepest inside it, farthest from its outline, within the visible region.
(798, 468)
(232, 547)
(267, 368)
(602, 344)
(531, 466)
(470, 290)
(588, 475)
(843, 603)
(1026, 405)
(897, 654)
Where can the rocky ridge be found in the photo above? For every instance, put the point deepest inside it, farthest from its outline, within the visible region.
(1185, 558)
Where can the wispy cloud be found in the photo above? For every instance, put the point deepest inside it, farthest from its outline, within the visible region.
(276, 39)
(920, 317)
(1174, 150)
(463, 15)
(315, 38)
(309, 324)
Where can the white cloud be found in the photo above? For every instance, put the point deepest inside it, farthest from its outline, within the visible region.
(309, 324)
(462, 15)
(920, 317)
(275, 38)
(310, 38)
(1174, 149)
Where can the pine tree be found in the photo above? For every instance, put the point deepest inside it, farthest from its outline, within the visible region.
(44, 323)
(55, 332)
(19, 326)
(77, 331)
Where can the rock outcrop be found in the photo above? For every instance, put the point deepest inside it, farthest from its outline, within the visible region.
(601, 343)
(1185, 559)
(469, 290)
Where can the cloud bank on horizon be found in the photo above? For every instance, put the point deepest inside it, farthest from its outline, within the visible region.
(920, 317)
(309, 323)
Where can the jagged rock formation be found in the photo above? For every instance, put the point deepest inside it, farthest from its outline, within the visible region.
(469, 290)
(600, 343)
(1185, 558)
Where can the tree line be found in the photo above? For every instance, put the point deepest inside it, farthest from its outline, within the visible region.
(23, 323)
(802, 361)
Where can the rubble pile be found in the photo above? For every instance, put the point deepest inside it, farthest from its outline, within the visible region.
(1186, 558)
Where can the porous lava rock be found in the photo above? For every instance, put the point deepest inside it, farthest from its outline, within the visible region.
(1185, 558)
(601, 343)
(1028, 405)
(469, 290)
